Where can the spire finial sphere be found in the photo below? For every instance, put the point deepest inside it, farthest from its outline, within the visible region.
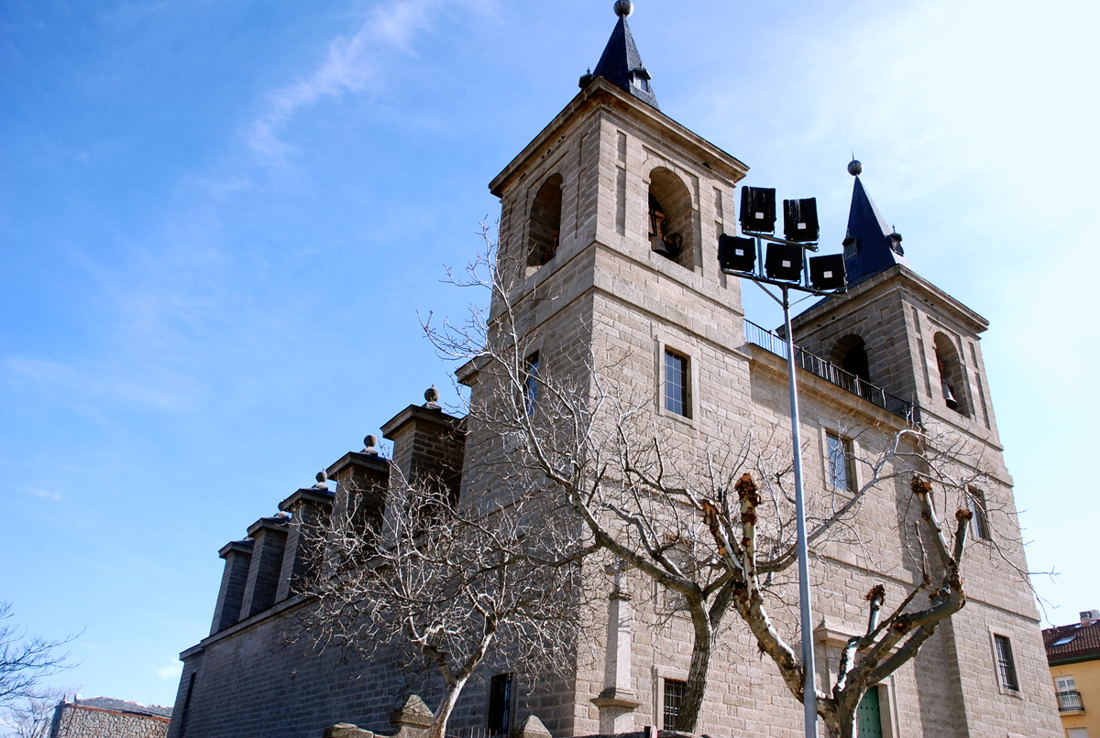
(623, 8)
(855, 167)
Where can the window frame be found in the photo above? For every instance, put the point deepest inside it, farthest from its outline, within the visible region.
(531, 371)
(500, 709)
(684, 395)
(977, 504)
(1004, 664)
(846, 448)
(678, 694)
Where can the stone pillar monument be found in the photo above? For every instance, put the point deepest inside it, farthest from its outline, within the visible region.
(617, 700)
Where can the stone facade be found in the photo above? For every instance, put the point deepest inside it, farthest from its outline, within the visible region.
(612, 287)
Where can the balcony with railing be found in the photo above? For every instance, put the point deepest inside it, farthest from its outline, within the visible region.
(1070, 702)
(831, 373)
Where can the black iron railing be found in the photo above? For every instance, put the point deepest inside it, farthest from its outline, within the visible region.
(828, 371)
(1070, 702)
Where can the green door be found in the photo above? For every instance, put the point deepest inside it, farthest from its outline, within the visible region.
(868, 719)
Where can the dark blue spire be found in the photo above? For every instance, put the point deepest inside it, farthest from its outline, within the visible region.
(621, 64)
(870, 245)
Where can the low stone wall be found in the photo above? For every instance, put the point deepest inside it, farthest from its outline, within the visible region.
(414, 720)
(81, 721)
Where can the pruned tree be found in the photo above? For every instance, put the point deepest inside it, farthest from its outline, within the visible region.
(26, 660)
(443, 585)
(696, 521)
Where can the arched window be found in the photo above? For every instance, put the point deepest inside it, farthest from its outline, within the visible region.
(952, 375)
(670, 218)
(545, 230)
(851, 356)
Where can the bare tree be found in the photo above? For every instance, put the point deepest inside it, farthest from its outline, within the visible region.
(24, 661)
(438, 584)
(696, 522)
(32, 715)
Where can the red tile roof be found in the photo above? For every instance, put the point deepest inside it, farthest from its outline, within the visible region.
(1083, 643)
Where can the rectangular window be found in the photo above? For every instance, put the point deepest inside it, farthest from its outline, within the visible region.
(674, 703)
(531, 383)
(839, 461)
(500, 704)
(979, 522)
(677, 384)
(1006, 665)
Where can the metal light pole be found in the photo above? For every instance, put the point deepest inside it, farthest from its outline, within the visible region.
(809, 683)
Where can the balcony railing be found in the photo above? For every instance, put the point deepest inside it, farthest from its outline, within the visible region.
(817, 366)
(1070, 702)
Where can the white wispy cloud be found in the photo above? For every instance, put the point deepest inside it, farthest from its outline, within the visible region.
(43, 494)
(86, 389)
(170, 671)
(353, 62)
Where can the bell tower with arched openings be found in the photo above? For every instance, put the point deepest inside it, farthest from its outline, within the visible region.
(898, 331)
(609, 220)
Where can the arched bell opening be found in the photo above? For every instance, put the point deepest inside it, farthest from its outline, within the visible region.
(952, 375)
(671, 233)
(850, 354)
(545, 227)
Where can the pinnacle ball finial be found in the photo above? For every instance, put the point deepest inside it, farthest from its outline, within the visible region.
(855, 167)
(623, 8)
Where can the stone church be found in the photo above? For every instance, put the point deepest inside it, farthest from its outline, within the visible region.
(615, 210)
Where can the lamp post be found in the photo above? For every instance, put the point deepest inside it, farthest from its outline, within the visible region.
(786, 266)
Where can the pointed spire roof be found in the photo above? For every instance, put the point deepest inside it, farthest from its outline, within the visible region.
(870, 246)
(621, 64)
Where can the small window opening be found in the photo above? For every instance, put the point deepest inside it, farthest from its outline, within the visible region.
(531, 383)
(500, 704)
(979, 520)
(1006, 665)
(545, 231)
(187, 704)
(677, 384)
(675, 691)
(839, 461)
(670, 218)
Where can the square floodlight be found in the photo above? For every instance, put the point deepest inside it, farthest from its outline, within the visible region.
(800, 220)
(827, 272)
(736, 254)
(784, 261)
(758, 209)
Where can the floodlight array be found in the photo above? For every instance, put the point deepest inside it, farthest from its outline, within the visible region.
(785, 259)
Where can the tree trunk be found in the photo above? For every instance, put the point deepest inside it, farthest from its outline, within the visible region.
(839, 721)
(446, 707)
(701, 647)
(845, 727)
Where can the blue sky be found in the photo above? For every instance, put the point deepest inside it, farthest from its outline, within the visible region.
(219, 220)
